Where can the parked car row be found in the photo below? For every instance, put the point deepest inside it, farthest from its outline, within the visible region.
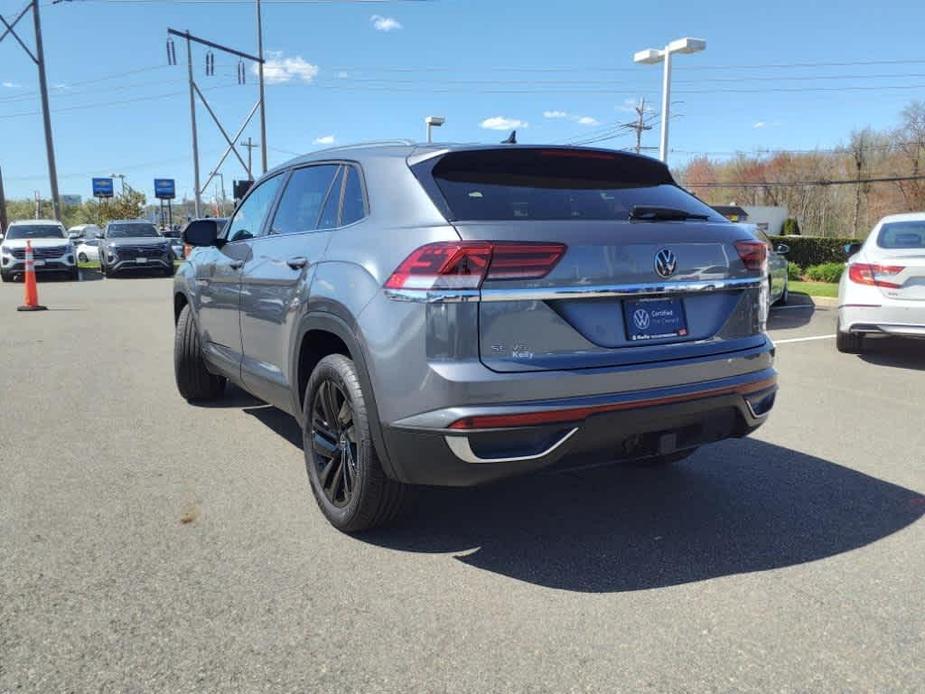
(122, 246)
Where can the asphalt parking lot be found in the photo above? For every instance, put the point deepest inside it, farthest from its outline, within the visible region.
(146, 544)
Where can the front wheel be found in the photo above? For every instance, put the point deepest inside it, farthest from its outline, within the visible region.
(194, 381)
(346, 477)
(83, 258)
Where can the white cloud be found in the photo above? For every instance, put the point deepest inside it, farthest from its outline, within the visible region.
(343, 74)
(324, 140)
(555, 114)
(278, 70)
(581, 120)
(381, 23)
(760, 124)
(587, 120)
(10, 85)
(502, 123)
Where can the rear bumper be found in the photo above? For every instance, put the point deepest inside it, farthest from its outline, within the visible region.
(625, 427)
(907, 319)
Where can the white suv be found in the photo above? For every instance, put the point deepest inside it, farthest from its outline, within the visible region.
(52, 251)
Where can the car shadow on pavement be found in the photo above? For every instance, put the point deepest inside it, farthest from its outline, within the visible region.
(737, 507)
(794, 315)
(897, 352)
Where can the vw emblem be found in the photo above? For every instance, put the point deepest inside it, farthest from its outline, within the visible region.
(641, 318)
(665, 263)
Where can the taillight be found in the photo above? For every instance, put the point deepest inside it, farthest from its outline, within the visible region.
(871, 274)
(466, 264)
(753, 253)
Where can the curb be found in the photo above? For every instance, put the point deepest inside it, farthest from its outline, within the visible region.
(825, 301)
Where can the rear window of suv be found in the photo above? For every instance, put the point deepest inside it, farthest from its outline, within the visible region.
(556, 184)
(902, 235)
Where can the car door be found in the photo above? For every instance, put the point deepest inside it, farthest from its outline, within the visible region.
(218, 278)
(277, 275)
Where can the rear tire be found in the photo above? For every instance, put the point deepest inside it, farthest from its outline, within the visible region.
(344, 471)
(194, 381)
(849, 343)
(785, 295)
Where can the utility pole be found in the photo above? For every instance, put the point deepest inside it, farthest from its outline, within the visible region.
(197, 201)
(639, 125)
(39, 59)
(250, 148)
(263, 113)
(4, 221)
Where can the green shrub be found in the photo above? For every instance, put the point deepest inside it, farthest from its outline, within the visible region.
(791, 227)
(794, 272)
(825, 272)
(814, 250)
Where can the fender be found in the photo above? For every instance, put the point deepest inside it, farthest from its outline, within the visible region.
(317, 320)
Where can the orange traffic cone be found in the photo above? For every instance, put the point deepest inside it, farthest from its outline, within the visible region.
(31, 300)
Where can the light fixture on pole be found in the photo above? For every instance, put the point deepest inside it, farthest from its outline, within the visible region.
(651, 56)
(433, 122)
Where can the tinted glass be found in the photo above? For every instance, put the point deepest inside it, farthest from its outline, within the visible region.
(247, 221)
(35, 231)
(130, 231)
(557, 184)
(902, 235)
(332, 206)
(354, 202)
(300, 207)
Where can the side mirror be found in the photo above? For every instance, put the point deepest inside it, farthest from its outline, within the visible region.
(782, 249)
(200, 232)
(852, 248)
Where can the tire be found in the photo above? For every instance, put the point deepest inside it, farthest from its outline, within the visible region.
(664, 460)
(82, 258)
(355, 494)
(848, 343)
(168, 272)
(785, 295)
(104, 271)
(75, 275)
(194, 381)
(5, 277)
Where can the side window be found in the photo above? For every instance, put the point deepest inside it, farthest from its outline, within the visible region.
(248, 218)
(354, 200)
(329, 213)
(300, 206)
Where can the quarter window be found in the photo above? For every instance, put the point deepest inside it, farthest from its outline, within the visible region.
(332, 206)
(249, 217)
(354, 201)
(303, 200)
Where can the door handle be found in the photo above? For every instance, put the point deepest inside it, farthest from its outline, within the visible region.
(297, 263)
(236, 264)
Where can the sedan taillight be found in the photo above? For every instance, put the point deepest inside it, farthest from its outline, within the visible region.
(872, 274)
(466, 264)
(754, 254)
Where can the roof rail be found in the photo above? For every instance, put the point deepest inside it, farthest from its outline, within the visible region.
(360, 145)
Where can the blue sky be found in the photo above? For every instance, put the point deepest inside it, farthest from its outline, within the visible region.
(352, 71)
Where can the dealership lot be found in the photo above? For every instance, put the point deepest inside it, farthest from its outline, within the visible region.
(149, 544)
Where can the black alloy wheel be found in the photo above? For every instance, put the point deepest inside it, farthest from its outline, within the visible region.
(334, 443)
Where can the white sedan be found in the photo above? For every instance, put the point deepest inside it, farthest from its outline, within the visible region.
(883, 288)
(87, 250)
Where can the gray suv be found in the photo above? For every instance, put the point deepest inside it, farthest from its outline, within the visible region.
(454, 315)
(130, 245)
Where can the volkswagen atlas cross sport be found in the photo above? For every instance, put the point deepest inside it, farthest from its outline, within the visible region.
(883, 291)
(454, 315)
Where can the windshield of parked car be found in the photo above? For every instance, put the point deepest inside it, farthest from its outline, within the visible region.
(34, 231)
(131, 231)
(557, 184)
(902, 235)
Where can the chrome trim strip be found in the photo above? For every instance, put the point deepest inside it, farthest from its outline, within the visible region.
(591, 291)
(434, 296)
(600, 291)
(462, 450)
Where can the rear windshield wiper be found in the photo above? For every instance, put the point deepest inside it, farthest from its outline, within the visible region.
(646, 213)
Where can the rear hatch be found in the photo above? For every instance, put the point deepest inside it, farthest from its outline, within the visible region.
(629, 268)
(898, 266)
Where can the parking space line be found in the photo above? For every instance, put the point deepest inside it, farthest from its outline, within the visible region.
(804, 339)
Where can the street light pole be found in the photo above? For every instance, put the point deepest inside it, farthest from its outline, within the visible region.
(651, 56)
(46, 111)
(433, 122)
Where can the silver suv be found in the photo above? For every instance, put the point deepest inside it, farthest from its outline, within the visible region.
(52, 250)
(454, 315)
